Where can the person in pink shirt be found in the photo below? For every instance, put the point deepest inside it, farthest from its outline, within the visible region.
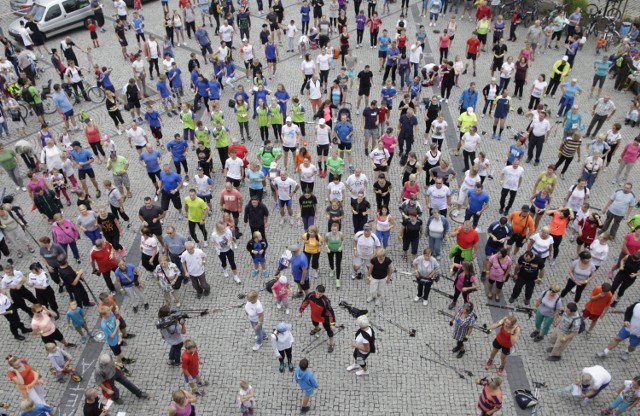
(35, 181)
(390, 142)
(280, 291)
(627, 159)
(65, 233)
(498, 269)
(43, 325)
(231, 203)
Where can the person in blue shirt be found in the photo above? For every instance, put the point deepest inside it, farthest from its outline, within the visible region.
(202, 37)
(214, 91)
(572, 122)
(105, 79)
(478, 203)
(202, 93)
(569, 92)
(167, 98)
(516, 150)
(83, 159)
(388, 94)
(272, 54)
(240, 93)
(170, 184)
(469, 98)
(175, 80)
(572, 49)
(155, 123)
(299, 270)
(179, 149)
(502, 106)
(110, 325)
(193, 76)
(65, 107)
(305, 10)
(415, 87)
(393, 54)
(259, 94)
(344, 132)
(230, 67)
(383, 46)
(601, 66)
(150, 158)
(218, 70)
(283, 98)
(138, 26)
(29, 408)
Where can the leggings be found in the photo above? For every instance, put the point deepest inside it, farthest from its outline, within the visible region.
(286, 352)
(335, 262)
(97, 148)
(533, 102)
(191, 27)
(612, 149)
(305, 82)
(116, 116)
(313, 260)
(519, 88)
(621, 283)
(456, 295)
(196, 101)
(277, 131)
(192, 231)
(114, 239)
(264, 133)
(445, 91)
(557, 239)
(371, 8)
(424, 288)
(153, 62)
(305, 28)
(373, 37)
(570, 285)
(179, 164)
(529, 286)
(244, 125)
(444, 53)
(227, 255)
(359, 36)
(119, 213)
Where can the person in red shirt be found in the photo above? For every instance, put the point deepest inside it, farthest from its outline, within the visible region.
(104, 261)
(483, 10)
(241, 150)
(598, 304)
(506, 339)
(191, 367)
(588, 227)
(321, 313)
(382, 115)
(467, 240)
(374, 23)
(231, 202)
(473, 43)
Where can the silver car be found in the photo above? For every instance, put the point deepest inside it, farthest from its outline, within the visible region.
(55, 17)
(20, 7)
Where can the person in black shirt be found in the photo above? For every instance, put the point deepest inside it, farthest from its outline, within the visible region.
(92, 404)
(317, 10)
(410, 234)
(364, 86)
(307, 213)
(360, 208)
(382, 189)
(150, 215)
(371, 131)
(499, 51)
(526, 274)
(73, 282)
(626, 276)
(257, 215)
(379, 274)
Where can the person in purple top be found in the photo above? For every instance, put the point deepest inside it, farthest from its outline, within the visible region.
(361, 20)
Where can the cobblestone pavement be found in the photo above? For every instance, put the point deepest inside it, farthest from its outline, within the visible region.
(400, 382)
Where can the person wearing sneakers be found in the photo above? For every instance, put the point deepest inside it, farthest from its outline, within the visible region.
(173, 336)
(282, 343)
(334, 241)
(462, 324)
(626, 276)
(257, 247)
(286, 188)
(630, 330)
(364, 246)
(425, 268)
(280, 291)
(323, 143)
(566, 328)
(196, 210)
(592, 381)
(299, 270)
(255, 315)
(627, 397)
(379, 274)
(598, 304)
(321, 313)
(506, 339)
(548, 309)
(364, 345)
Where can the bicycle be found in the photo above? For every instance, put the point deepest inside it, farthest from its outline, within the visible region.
(592, 27)
(96, 94)
(614, 12)
(611, 35)
(530, 15)
(558, 7)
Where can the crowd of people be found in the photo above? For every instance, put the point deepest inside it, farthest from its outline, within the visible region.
(431, 203)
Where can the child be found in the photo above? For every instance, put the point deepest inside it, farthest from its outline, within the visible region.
(282, 343)
(76, 320)
(191, 367)
(284, 262)
(280, 291)
(255, 315)
(382, 115)
(245, 399)
(175, 80)
(60, 360)
(343, 78)
(257, 248)
(187, 117)
(69, 172)
(109, 145)
(92, 33)
(627, 396)
(65, 139)
(305, 378)
(601, 42)
(227, 220)
(547, 32)
(57, 182)
(167, 98)
(633, 115)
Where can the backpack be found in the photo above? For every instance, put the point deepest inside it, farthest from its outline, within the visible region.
(84, 116)
(26, 95)
(583, 326)
(370, 338)
(269, 285)
(555, 306)
(525, 398)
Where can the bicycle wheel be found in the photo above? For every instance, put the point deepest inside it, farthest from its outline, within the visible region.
(592, 9)
(96, 94)
(24, 111)
(615, 13)
(49, 105)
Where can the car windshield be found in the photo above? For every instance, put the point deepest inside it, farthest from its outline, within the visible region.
(37, 11)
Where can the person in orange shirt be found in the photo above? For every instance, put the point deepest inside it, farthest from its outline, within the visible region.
(110, 302)
(301, 154)
(598, 304)
(522, 227)
(561, 217)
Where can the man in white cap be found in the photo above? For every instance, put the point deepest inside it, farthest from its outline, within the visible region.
(560, 70)
(290, 141)
(363, 346)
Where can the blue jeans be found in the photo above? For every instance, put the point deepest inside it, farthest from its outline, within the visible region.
(3, 126)
(74, 249)
(590, 178)
(436, 245)
(619, 404)
(383, 236)
(260, 334)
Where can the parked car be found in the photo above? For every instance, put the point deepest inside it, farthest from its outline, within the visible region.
(20, 7)
(55, 17)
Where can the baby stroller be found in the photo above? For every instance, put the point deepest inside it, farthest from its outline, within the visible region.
(313, 38)
(346, 111)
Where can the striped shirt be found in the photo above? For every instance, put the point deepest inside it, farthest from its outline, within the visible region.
(569, 146)
(489, 400)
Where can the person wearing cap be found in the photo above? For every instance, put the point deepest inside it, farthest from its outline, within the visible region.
(560, 70)
(522, 227)
(538, 133)
(282, 342)
(569, 90)
(83, 159)
(363, 346)
(465, 121)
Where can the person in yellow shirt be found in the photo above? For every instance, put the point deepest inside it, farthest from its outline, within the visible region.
(466, 120)
(312, 244)
(196, 210)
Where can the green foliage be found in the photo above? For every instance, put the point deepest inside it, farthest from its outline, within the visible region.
(573, 4)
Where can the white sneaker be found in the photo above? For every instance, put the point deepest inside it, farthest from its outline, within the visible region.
(377, 302)
(625, 356)
(362, 373)
(155, 198)
(353, 367)
(353, 276)
(369, 299)
(585, 401)
(416, 299)
(287, 311)
(573, 290)
(602, 354)
(256, 347)
(425, 302)
(17, 188)
(282, 221)
(357, 112)
(226, 273)
(237, 279)
(23, 188)
(278, 306)
(292, 221)
(205, 244)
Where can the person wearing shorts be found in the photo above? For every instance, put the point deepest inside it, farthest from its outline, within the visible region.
(505, 340)
(84, 158)
(598, 304)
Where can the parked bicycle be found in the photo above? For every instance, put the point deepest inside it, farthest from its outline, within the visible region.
(612, 11)
(558, 7)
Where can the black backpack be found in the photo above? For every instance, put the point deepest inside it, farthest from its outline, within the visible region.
(370, 338)
(26, 95)
(525, 399)
(269, 285)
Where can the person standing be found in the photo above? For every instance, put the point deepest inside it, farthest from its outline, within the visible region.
(567, 328)
(379, 274)
(9, 162)
(104, 261)
(627, 160)
(363, 346)
(426, 272)
(231, 203)
(602, 111)
(619, 206)
(255, 315)
(83, 159)
(510, 179)
(506, 339)
(173, 336)
(538, 134)
(300, 270)
(321, 313)
(14, 281)
(10, 312)
(196, 210)
(256, 214)
(282, 343)
(193, 266)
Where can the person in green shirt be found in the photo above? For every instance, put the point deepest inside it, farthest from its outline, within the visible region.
(216, 115)
(263, 119)
(334, 241)
(267, 155)
(634, 222)
(9, 162)
(188, 119)
(297, 113)
(196, 210)
(276, 119)
(242, 115)
(335, 164)
(118, 165)
(221, 136)
(203, 134)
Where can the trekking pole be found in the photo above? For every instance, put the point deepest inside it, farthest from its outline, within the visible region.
(440, 292)
(484, 328)
(537, 395)
(411, 332)
(462, 373)
(89, 289)
(356, 313)
(313, 345)
(528, 311)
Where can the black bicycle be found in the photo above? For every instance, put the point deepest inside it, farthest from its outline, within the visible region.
(613, 11)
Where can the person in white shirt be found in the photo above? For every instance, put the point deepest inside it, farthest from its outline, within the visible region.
(153, 53)
(380, 157)
(194, 263)
(507, 70)
(415, 57)
(538, 132)
(323, 66)
(357, 182)
(365, 244)
(537, 91)
(74, 77)
(315, 93)
(137, 137)
(438, 197)
(223, 52)
(592, 381)
(470, 143)
(308, 174)
(226, 32)
(40, 281)
(246, 50)
(286, 189)
(291, 33)
(9, 311)
(25, 35)
(234, 169)
(336, 189)
(255, 315)
(510, 179)
(322, 145)
(290, 140)
(14, 281)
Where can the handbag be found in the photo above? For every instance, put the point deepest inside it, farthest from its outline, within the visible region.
(177, 284)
